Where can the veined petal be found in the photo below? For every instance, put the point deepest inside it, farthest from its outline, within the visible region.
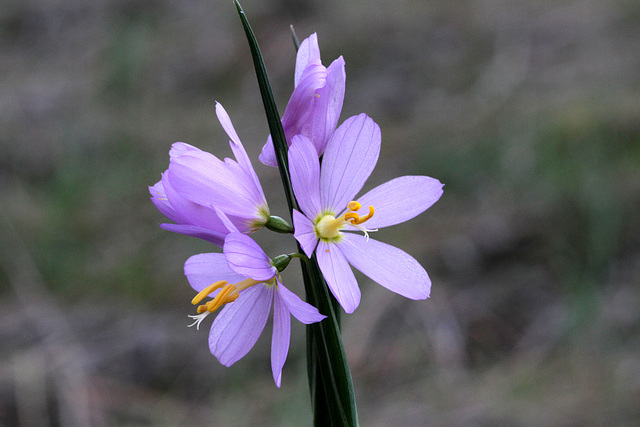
(179, 148)
(268, 155)
(303, 311)
(160, 200)
(280, 338)
(349, 159)
(328, 105)
(230, 226)
(401, 199)
(204, 269)
(227, 125)
(215, 237)
(247, 258)
(204, 179)
(238, 149)
(239, 324)
(304, 167)
(308, 53)
(299, 109)
(249, 184)
(315, 104)
(387, 265)
(338, 275)
(190, 212)
(304, 233)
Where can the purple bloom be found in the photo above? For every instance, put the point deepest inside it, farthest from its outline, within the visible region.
(316, 102)
(245, 279)
(326, 197)
(197, 182)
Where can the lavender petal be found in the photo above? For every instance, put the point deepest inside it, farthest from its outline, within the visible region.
(387, 265)
(338, 275)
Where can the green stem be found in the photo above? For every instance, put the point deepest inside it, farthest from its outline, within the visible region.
(273, 117)
(330, 382)
(294, 37)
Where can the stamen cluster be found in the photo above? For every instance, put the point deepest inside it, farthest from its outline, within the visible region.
(328, 226)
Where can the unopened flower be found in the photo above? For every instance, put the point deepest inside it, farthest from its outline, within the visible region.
(331, 213)
(315, 105)
(197, 182)
(246, 282)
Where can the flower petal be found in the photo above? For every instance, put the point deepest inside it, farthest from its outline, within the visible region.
(316, 102)
(304, 167)
(349, 159)
(192, 220)
(303, 311)
(268, 155)
(215, 237)
(179, 148)
(400, 199)
(308, 53)
(204, 269)
(206, 180)
(299, 110)
(238, 149)
(304, 233)
(300, 106)
(338, 275)
(280, 338)
(328, 105)
(239, 324)
(230, 226)
(387, 265)
(190, 212)
(159, 199)
(227, 125)
(246, 257)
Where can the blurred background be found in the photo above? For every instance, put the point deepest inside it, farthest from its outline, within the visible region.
(528, 111)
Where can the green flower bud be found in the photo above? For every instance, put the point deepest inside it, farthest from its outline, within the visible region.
(279, 225)
(281, 262)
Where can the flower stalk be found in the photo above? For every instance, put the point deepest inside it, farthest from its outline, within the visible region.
(331, 387)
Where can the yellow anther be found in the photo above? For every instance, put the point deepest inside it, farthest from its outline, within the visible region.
(360, 219)
(224, 296)
(352, 216)
(328, 227)
(206, 291)
(354, 206)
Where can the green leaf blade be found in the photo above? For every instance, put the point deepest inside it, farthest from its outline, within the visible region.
(330, 382)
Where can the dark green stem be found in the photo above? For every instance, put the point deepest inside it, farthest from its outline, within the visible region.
(330, 383)
(296, 42)
(273, 117)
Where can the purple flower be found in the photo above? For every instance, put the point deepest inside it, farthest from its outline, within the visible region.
(197, 182)
(329, 212)
(316, 102)
(245, 279)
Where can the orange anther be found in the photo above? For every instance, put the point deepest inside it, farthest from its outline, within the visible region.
(354, 206)
(361, 219)
(206, 291)
(223, 297)
(352, 216)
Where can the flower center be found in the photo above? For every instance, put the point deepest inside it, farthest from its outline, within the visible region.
(229, 292)
(328, 227)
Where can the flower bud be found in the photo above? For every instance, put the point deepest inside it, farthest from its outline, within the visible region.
(281, 262)
(279, 225)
